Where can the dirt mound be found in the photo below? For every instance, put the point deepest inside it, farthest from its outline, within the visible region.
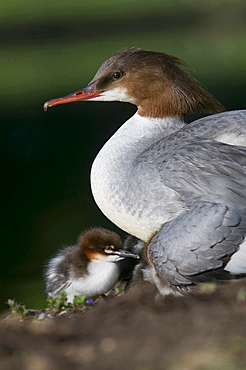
(204, 331)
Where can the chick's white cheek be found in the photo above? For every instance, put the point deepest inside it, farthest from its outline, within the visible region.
(113, 258)
(106, 257)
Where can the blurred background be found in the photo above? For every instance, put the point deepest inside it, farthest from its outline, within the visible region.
(51, 48)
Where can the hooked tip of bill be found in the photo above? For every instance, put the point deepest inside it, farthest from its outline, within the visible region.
(46, 106)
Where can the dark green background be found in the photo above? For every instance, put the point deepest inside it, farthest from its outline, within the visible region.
(49, 49)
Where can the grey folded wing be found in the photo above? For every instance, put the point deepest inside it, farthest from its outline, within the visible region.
(196, 242)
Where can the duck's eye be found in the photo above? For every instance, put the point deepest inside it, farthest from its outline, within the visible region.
(109, 249)
(117, 75)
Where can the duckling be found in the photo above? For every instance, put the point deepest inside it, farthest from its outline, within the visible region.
(91, 267)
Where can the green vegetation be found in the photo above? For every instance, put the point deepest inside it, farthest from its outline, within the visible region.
(51, 52)
(55, 304)
(109, 8)
(16, 308)
(61, 304)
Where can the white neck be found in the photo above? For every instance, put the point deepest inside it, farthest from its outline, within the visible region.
(115, 184)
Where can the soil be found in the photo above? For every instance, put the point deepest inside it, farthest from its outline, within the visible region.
(202, 331)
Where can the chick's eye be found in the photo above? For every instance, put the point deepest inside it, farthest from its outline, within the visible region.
(108, 248)
(117, 75)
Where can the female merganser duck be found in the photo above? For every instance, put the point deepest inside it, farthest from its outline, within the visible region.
(178, 187)
(91, 268)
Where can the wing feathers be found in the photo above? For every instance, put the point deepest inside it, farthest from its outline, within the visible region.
(196, 242)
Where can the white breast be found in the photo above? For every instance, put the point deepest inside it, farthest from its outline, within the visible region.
(102, 276)
(116, 187)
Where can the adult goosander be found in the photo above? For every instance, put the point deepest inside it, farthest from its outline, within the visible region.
(178, 187)
(91, 268)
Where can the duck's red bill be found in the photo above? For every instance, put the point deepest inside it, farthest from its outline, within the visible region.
(85, 94)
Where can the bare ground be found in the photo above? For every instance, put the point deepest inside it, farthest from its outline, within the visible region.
(205, 331)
